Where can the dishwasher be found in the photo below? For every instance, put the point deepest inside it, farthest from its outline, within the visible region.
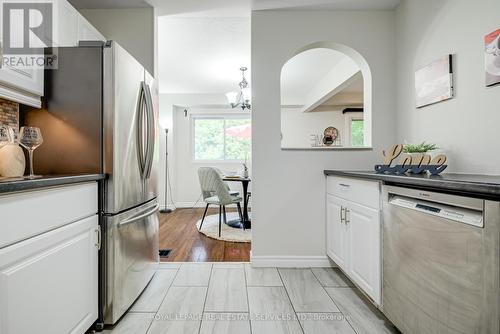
(440, 262)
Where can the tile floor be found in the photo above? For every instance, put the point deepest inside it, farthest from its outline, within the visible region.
(219, 298)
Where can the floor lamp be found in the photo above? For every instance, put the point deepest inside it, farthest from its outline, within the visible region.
(166, 209)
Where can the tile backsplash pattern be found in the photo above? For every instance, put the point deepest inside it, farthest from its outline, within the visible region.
(9, 114)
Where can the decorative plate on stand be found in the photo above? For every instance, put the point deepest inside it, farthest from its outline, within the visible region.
(330, 135)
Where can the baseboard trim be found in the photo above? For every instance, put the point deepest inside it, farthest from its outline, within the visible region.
(200, 204)
(171, 207)
(290, 261)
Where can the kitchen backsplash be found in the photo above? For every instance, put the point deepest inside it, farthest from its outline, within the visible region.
(9, 114)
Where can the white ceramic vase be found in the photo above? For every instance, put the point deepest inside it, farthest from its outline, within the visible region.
(12, 161)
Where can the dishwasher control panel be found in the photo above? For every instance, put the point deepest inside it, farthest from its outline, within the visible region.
(458, 214)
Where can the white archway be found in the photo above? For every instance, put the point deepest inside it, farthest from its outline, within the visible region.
(367, 79)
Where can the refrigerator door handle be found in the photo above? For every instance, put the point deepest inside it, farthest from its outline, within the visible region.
(140, 130)
(140, 216)
(151, 131)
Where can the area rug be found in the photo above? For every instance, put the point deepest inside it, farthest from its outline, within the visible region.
(210, 228)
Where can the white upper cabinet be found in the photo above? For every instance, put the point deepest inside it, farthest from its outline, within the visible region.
(87, 32)
(353, 231)
(65, 24)
(70, 27)
(18, 84)
(21, 85)
(25, 85)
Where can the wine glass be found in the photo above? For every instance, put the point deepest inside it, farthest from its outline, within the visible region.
(30, 138)
(5, 135)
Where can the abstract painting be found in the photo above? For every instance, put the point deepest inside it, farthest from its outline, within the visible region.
(492, 58)
(434, 82)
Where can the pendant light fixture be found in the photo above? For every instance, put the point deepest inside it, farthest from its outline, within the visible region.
(242, 98)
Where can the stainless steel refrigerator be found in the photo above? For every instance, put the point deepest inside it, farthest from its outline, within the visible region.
(100, 114)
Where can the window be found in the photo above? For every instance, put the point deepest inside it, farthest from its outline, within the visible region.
(357, 128)
(221, 138)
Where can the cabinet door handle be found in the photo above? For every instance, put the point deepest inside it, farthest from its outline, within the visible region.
(345, 215)
(344, 185)
(342, 214)
(98, 241)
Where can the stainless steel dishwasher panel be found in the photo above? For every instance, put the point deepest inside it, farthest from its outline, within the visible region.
(440, 275)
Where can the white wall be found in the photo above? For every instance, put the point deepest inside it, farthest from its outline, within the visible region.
(289, 186)
(466, 126)
(132, 28)
(298, 126)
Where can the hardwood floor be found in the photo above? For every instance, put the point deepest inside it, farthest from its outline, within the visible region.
(178, 232)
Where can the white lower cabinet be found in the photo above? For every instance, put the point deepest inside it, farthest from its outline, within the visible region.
(48, 283)
(336, 232)
(354, 239)
(363, 231)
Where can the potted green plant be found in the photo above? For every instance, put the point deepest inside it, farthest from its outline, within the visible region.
(423, 148)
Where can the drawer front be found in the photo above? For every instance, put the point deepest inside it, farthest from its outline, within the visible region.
(24, 215)
(358, 191)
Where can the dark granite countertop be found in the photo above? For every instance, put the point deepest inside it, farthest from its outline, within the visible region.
(13, 184)
(465, 184)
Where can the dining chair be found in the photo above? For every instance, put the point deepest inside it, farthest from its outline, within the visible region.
(215, 191)
(231, 192)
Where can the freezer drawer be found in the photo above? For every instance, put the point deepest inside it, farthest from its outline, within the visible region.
(132, 258)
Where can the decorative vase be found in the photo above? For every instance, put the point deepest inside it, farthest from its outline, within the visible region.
(12, 161)
(244, 172)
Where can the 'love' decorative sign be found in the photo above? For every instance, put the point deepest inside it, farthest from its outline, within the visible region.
(415, 163)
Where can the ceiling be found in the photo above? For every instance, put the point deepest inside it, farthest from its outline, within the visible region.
(356, 87)
(304, 71)
(203, 43)
(203, 8)
(325, 4)
(202, 55)
(236, 7)
(108, 4)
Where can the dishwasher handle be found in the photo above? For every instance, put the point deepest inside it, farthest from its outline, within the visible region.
(440, 211)
(434, 197)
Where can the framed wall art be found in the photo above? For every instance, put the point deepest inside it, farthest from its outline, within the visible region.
(492, 58)
(434, 82)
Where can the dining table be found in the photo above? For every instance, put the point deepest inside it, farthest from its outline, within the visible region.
(246, 223)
